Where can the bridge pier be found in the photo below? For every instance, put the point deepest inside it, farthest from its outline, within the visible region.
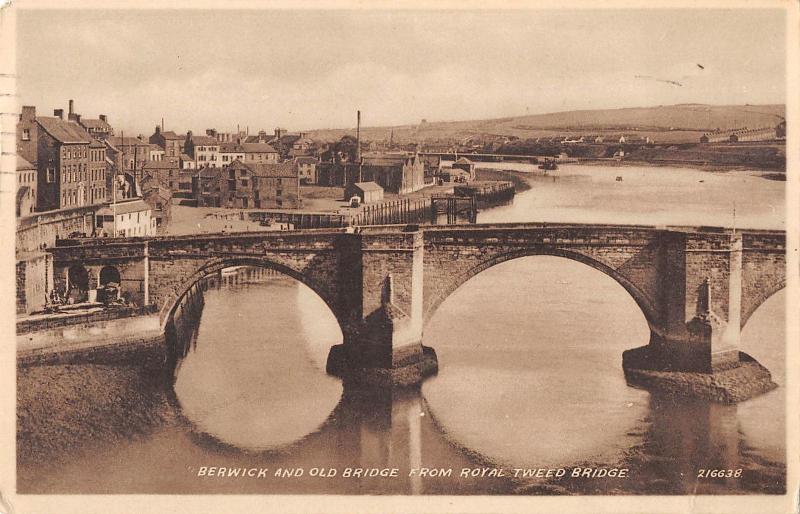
(694, 345)
(383, 341)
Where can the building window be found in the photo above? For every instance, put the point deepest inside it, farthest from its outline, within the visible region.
(51, 175)
(26, 134)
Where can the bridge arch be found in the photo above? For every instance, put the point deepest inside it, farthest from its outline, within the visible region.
(759, 298)
(212, 266)
(645, 303)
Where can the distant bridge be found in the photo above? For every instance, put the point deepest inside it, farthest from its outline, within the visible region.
(488, 157)
(696, 287)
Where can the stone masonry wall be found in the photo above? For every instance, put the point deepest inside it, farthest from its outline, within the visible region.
(44, 228)
(630, 255)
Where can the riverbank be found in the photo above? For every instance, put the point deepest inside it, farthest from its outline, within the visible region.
(67, 407)
(768, 173)
(515, 177)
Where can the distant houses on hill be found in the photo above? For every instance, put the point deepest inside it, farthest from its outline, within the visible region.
(778, 132)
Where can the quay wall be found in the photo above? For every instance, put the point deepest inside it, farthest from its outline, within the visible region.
(41, 229)
(25, 326)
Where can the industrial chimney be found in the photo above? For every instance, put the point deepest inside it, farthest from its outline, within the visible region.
(358, 137)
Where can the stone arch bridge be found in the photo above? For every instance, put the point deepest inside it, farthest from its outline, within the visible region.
(696, 287)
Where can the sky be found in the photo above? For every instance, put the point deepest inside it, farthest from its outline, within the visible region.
(313, 69)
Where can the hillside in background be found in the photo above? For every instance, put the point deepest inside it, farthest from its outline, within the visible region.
(672, 123)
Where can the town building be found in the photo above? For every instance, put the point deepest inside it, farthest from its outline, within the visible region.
(432, 163)
(248, 186)
(261, 137)
(205, 186)
(159, 198)
(27, 134)
(166, 171)
(466, 165)
(303, 146)
(745, 134)
(185, 190)
(128, 154)
(203, 149)
(98, 169)
(169, 141)
(98, 128)
(367, 192)
(26, 187)
(187, 162)
(63, 178)
(227, 137)
(229, 152)
(260, 153)
(128, 218)
(306, 169)
(396, 172)
(156, 153)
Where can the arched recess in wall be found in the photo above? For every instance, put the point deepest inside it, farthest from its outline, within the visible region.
(109, 274)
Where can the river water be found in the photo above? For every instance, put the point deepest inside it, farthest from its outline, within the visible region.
(530, 377)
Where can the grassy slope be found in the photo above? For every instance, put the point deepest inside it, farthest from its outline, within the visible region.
(688, 122)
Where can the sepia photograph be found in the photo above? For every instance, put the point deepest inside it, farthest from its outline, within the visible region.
(361, 256)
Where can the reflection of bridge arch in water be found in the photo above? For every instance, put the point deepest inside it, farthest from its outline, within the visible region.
(234, 364)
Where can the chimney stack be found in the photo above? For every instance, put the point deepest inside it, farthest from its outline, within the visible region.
(71, 105)
(103, 118)
(58, 113)
(358, 136)
(28, 113)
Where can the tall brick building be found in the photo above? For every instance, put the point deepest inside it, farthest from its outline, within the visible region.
(249, 186)
(98, 169)
(63, 171)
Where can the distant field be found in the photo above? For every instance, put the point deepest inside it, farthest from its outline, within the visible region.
(673, 123)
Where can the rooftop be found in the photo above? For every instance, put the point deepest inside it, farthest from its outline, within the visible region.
(124, 207)
(284, 169)
(23, 164)
(95, 123)
(172, 135)
(231, 148)
(258, 148)
(367, 186)
(64, 131)
(204, 141)
(166, 163)
(117, 141)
